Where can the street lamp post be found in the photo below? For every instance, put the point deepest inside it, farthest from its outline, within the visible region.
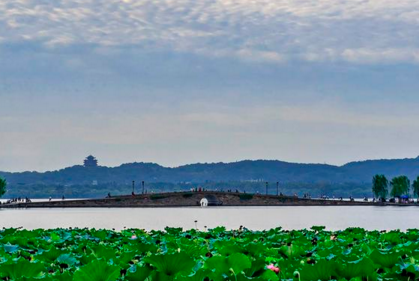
(142, 183)
(266, 188)
(133, 187)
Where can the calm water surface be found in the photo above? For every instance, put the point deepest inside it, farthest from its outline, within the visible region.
(257, 218)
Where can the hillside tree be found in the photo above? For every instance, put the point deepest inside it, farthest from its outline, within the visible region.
(400, 186)
(380, 186)
(415, 186)
(3, 185)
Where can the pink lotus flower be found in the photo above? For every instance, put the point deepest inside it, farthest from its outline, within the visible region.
(133, 237)
(273, 268)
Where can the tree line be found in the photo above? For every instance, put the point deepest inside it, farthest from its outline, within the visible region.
(3, 185)
(399, 186)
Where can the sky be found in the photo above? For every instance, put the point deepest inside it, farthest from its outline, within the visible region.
(185, 81)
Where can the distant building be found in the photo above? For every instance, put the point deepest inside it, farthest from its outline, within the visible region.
(90, 161)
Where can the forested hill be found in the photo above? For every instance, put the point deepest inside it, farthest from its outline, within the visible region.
(265, 170)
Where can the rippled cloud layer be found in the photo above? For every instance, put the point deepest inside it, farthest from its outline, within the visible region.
(357, 31)
(181, 81)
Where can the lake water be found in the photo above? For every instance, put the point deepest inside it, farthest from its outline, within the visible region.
(256, 218)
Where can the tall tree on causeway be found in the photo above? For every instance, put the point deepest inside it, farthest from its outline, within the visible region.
(3, 185)
(380, 186)
(400, 186)
(415, 186)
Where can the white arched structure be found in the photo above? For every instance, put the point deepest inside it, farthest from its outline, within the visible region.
(204, 202)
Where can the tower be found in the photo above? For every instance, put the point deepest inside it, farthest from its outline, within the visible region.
(90, 161)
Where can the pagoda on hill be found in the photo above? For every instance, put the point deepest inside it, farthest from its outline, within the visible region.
(90, 161)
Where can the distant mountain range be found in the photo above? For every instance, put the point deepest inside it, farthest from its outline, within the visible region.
(247, 170)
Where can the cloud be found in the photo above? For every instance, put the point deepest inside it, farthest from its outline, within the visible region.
(378, 55)
(372, 31)
(178, 81)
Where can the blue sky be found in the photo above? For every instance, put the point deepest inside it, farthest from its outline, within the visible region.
(182, 81)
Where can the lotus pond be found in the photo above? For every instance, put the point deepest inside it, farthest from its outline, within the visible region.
(217, 254)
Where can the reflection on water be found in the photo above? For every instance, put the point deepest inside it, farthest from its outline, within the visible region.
(257, 218)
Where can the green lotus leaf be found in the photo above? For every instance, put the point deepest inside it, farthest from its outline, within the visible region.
(258, 267)
(55, 237)
(407, 247)
(352, 254)
(361, 268)
(318, 228)
(7, 231)
(81, 247)
(50, 255)
(227, 247)
(100, 234)
(173, 230)
(268, 275)
(124, 258)
(412, 234)
(136, 273)
(98, 270)
(16, 240)
(288, 267)
(235, 263)
(159, 276)
(292, 251)
(385, 259)
(322, 270)
(67, 259)
(256, 249)
(21, 268)
(200, 275)
(66, 276)
(103, 252)
(392, 237)
(140, 247)
(366, 249)
(239, 262)
(10, 248)
(218, 265)
(86, 259)
(193, 249)
(171, 264)
(218, 230)
(407, 270)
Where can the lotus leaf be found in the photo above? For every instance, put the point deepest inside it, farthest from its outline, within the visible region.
(171, 264)
(21, 268)
(98, 270)
(322, 270)
(217, 254)
(137, 273)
